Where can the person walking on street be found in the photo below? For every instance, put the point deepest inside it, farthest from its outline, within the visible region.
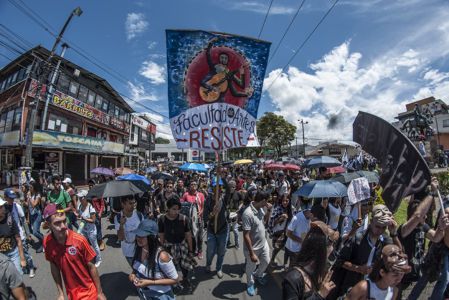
(35, 211)
(154, 272)
(60, 197)
(256, 249)
(70, 257)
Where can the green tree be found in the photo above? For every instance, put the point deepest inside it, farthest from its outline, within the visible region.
(161, 140)
(275, 132)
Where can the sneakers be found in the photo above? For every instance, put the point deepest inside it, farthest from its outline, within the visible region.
(261, 280)
(220, 274)
(98, 263)
(40, 249)
(32, 273)
(250, 290)
(200, 255)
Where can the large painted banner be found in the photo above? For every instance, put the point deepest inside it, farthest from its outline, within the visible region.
(214, 88)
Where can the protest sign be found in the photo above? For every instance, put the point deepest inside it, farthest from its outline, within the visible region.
(358, 190)
(214, 88)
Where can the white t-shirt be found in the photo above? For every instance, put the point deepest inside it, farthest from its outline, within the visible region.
(335, 213)
(300, 225)
(350, 220)
(128, 244)
(87, 214)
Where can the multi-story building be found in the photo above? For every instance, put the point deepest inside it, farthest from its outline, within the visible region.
(87, 124)
(142, 138)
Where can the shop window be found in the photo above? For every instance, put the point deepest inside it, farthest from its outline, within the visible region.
(9, 119)
(73, 129)
(446, 123)
(17, 119)
(98, 102)
(82, 94)
(92, 132)
(73, 89)
(57, 123)
(63, 83)
(113, 138)
(101, 134)
(144, 136)
(3, 122)
(91, 98)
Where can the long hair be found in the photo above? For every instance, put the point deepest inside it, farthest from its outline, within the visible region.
(314, 251)
(374, 276)
(153, 246)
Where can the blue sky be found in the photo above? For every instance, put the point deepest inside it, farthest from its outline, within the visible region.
(371, 55)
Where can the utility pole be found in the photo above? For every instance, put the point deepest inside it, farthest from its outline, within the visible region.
(42, 75)
(303, 138)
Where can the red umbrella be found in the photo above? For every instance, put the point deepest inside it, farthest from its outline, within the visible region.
(274, 167)
(335, 170)
(291, 167)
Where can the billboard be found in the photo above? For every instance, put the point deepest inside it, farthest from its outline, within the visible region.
(214, 88)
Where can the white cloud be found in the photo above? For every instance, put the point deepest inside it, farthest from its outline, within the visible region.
(152, 45)
(259, 8)
(139, 93)
(135, 24)
(154, 72)
(330, 97)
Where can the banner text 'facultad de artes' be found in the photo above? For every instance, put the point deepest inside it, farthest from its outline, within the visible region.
(214, 88)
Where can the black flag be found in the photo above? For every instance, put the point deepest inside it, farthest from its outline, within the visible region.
(404, 171)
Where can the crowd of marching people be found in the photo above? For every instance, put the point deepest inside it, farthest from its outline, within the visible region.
(331, 249)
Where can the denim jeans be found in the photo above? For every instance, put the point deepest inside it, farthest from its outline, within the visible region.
(440, 286)
(91, 236)
(28, 258)
(235, 229)
(35, 221)
(14, 256)
(216, 244)
(98, 225)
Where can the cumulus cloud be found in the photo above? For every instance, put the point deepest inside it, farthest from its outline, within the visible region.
(139, 93)
(135, 24)
(339, 86)
(259, 8)
(154, 72)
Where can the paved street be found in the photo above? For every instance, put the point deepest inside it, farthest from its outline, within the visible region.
(114, 277)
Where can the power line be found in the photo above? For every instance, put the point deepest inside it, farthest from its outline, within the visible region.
(16, 36)
(265, 19)
(286, 31)
(303, 43)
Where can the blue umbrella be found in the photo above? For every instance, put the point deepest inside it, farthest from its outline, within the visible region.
(151, 170)
(322, 189)
(321, 161)
(193, 167)
(134, 177)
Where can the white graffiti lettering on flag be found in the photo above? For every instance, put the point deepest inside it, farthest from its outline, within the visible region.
(213, 127)
(214, 88)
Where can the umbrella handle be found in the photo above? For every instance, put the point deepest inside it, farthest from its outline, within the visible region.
(441, 201)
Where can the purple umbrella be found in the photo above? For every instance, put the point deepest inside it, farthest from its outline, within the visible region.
(102, 171)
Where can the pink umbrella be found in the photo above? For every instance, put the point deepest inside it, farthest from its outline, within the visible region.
(335, 170)
(291, 167)
(274, 167)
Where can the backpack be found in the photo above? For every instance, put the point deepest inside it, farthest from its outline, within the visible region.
(191, 211)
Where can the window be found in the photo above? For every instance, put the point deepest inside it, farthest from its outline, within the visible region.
(9, 119)
(21, 74)
(63, 83)
(446, 123)
(14, 77)
(91, 98)
(58, 123)
(73, 89)
(144, 136)
(3, 122)
(117, 111)
(3, 85)
(111, 109)
(92, 132)
(98, 102)
(82, 94)
(17, 119)
(105, 105)
(113, 138)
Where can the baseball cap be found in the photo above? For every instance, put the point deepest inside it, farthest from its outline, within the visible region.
(146, 227)
(50, 210)
(67, 180)
(2, 202)
(81, 193)
(10, 193)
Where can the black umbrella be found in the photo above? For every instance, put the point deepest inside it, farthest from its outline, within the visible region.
(114, 188)
(345, 177)
(162, 175)
(322, 161)
(371, 176)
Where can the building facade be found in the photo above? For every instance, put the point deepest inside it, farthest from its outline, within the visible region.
(142, 138)
(87, 124)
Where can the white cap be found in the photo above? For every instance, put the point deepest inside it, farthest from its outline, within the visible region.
(67, 180)
(81, 193)
(2, 202)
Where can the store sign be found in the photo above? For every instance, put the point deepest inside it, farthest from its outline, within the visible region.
(145, 125)
(71, 104)
(9, 138)
(70, 141)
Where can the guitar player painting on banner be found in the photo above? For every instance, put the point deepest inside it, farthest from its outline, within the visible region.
(214, 87)
(221, 79)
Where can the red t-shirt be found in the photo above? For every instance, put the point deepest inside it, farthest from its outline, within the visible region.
(187, 197)
(72, 259)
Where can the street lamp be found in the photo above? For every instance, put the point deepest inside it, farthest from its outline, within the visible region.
(303, 139)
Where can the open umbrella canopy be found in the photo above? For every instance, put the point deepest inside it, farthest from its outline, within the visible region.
(346, 177)
(150, 170)
(193, 167)
(335, 170)
(134, 177)
(291, 167)
(102, 171)
(322, 189)
(243, 162)
(274, 166)
(321, 161)
(123, 171)
(114, 188)
(162, 175)
(371, 176)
